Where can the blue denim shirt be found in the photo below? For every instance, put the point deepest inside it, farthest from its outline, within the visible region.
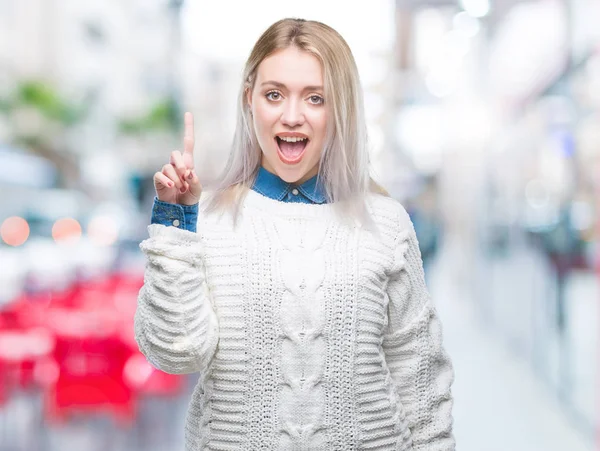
(269, 185)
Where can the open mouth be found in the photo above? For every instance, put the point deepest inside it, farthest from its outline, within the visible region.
(291, 152)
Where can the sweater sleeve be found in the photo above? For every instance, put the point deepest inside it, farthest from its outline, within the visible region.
(176, 327)
(419, 366)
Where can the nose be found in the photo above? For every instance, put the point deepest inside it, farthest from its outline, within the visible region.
(292, 114)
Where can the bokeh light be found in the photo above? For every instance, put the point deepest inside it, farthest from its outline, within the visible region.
(14, 231)
(66, 229)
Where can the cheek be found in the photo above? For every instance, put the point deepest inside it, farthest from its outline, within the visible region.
(264, 121)
(320, 125)
(265, 113)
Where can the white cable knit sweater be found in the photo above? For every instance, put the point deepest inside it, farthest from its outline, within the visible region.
(308, 333)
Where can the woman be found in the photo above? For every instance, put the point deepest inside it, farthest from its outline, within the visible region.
(300, 299)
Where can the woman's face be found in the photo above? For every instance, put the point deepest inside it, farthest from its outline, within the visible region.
(289, 114)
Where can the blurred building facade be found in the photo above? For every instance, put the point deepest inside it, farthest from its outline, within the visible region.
(111, 61)
(498, 101)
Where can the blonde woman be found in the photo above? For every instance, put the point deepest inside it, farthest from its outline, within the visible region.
(295, 289)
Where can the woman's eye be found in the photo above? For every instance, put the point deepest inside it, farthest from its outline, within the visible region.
(270, 95)
(316, 100)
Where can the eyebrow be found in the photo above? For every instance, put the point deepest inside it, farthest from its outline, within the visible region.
(282, 86)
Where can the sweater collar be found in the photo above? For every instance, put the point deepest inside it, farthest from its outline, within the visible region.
(272, 186)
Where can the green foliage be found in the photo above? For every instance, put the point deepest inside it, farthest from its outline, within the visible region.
(45, 99)
(164, 115)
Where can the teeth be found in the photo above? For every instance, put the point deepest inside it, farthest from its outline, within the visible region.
(291, 139)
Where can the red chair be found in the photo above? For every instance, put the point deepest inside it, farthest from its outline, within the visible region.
(23, 344)
(91, 359)
(77, 344)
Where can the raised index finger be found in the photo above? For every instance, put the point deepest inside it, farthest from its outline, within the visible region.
(188, 136)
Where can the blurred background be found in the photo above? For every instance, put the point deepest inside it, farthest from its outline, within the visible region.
(484, 121)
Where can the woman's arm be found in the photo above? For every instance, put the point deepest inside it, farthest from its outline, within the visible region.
(175, 325)
(421, 369)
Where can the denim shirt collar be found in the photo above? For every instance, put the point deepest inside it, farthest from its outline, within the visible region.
(272, 186)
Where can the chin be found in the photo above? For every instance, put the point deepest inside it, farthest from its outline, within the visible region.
(290, 175)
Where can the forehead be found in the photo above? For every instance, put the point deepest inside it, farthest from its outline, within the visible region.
(293, 67)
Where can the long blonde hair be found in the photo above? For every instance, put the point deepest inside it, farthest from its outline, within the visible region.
(344, 164)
